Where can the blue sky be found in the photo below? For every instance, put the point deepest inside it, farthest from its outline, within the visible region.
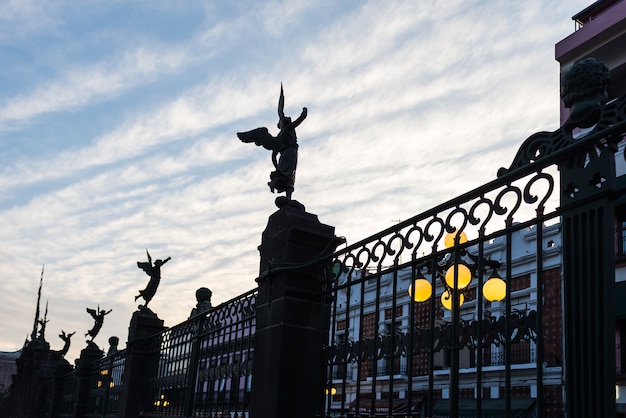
(118, 126)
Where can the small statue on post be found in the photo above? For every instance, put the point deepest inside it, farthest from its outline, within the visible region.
(203, 297)
(67, 340)
(154, 271)
(584, 90)
(98, 316)
(284, 149)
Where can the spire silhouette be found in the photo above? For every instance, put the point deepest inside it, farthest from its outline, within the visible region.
(33, 335)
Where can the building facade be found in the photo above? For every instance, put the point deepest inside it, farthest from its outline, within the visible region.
(381, 314)
(601, 33)
(384, 312)
(7, 368)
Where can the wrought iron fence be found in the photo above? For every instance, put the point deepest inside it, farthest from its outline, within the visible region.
(202, 367)
(456, 311)
(106, 385)
(395, 351)
(423, 355)
(68, 393)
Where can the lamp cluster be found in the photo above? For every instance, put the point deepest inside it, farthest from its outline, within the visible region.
(494, 289)
(161, 402)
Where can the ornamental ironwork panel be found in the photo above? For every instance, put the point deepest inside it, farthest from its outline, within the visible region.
(203, 365)
(106, 385)
(391, 339)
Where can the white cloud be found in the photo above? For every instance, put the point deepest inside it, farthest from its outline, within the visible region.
(408, 107)
(90, 83)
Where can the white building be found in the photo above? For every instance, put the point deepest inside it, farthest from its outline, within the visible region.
(391, 375)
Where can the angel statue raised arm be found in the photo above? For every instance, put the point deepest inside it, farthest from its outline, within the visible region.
(284, 146)
(98, 316)
(154, 271)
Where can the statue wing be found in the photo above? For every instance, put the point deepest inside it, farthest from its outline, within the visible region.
(261, 137)
(147, 267)
(92, 312)
(281, 103)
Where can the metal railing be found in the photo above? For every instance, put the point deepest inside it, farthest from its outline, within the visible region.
(106, 385)
(390, 352)
(203, 366)
(478, 350)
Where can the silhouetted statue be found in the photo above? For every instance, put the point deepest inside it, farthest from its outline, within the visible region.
(282, 179)
(98, 316)
(113, 343)
(43, 322)
(42, 329)
(584, 89)
(154, 271)
(67, 340)
(203, 297)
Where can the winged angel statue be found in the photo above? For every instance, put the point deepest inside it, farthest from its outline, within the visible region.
(154, 271)
(98, 316)
(284, 148)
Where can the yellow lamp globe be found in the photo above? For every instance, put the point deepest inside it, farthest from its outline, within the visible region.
(423, 290)
(446, 300)
(464, 276)
(494, 289)
(448, 240)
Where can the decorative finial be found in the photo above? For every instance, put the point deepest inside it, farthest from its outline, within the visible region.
(584, 89)
(33, 335)
(203, 298)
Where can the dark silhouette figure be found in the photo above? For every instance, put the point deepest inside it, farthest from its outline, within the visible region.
(284, 146)
(43, 322)
(154, 271)
(67, 340)
(113, 343)
(584, 89)
(98, 316)
(203, 297)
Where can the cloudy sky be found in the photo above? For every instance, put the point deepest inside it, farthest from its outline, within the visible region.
(118, 126)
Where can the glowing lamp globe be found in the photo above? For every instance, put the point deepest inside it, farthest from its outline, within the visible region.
(464, 276)
(423, 290)
(446, 300)
(494, 289)
(448, 240)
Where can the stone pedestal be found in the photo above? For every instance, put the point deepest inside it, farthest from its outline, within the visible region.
(62, 369)
(292, 316)
(88, 356)
(143, 325)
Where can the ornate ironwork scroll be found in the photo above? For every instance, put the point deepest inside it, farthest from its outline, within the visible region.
(485, 211)
(560, 143)
(493, 331)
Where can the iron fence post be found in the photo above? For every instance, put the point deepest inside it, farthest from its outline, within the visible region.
(192, 371)
(589, 280)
